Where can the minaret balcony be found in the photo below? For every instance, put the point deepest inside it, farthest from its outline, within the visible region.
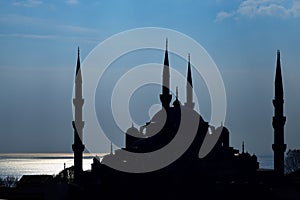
(278, 121)
(78, 125)
(78, 102)
(279, 147)
(78, 147)
(278, 102)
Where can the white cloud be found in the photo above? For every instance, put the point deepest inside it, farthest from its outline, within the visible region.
(27, 3)
(271, 8)
(77, 29)
(295, 10)
(223, 15)
(72, 2)
(252, 8)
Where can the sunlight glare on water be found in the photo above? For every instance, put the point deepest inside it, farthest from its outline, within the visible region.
(32, 164)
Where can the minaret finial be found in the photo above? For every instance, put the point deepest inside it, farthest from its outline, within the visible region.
(78, 63)
(176, 92)
(243, 147)
(166, 44)
(189, 57)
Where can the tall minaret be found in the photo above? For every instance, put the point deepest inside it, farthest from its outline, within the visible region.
(278, 122)
(189, 86)
(166, 97)
(78, 124)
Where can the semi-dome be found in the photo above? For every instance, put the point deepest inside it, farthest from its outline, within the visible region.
(132, 130)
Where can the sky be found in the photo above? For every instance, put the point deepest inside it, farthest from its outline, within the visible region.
(38, 52)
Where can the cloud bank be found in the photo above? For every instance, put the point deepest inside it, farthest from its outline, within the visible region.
(271, 8)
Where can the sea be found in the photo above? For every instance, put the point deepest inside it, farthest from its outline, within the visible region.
(19, 164)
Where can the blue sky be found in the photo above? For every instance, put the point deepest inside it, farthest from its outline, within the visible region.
(39, 39)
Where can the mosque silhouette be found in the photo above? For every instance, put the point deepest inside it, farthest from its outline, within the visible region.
(222, 165)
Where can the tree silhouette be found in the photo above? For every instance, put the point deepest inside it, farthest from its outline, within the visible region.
(66, 174)
(292, 161)
(9, 181)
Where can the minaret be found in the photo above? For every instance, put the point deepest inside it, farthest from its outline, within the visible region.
(78, 124)
(189, 86)
(278, 122)
(166, 97)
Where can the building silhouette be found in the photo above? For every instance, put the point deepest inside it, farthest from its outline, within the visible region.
(223, 167)
(225, 173)
(223, 161)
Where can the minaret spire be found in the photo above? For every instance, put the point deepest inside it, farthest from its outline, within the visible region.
(278, 122)
(189, 86)
(78, 61)
(166, 97)
(278, 79)
(78, 124)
